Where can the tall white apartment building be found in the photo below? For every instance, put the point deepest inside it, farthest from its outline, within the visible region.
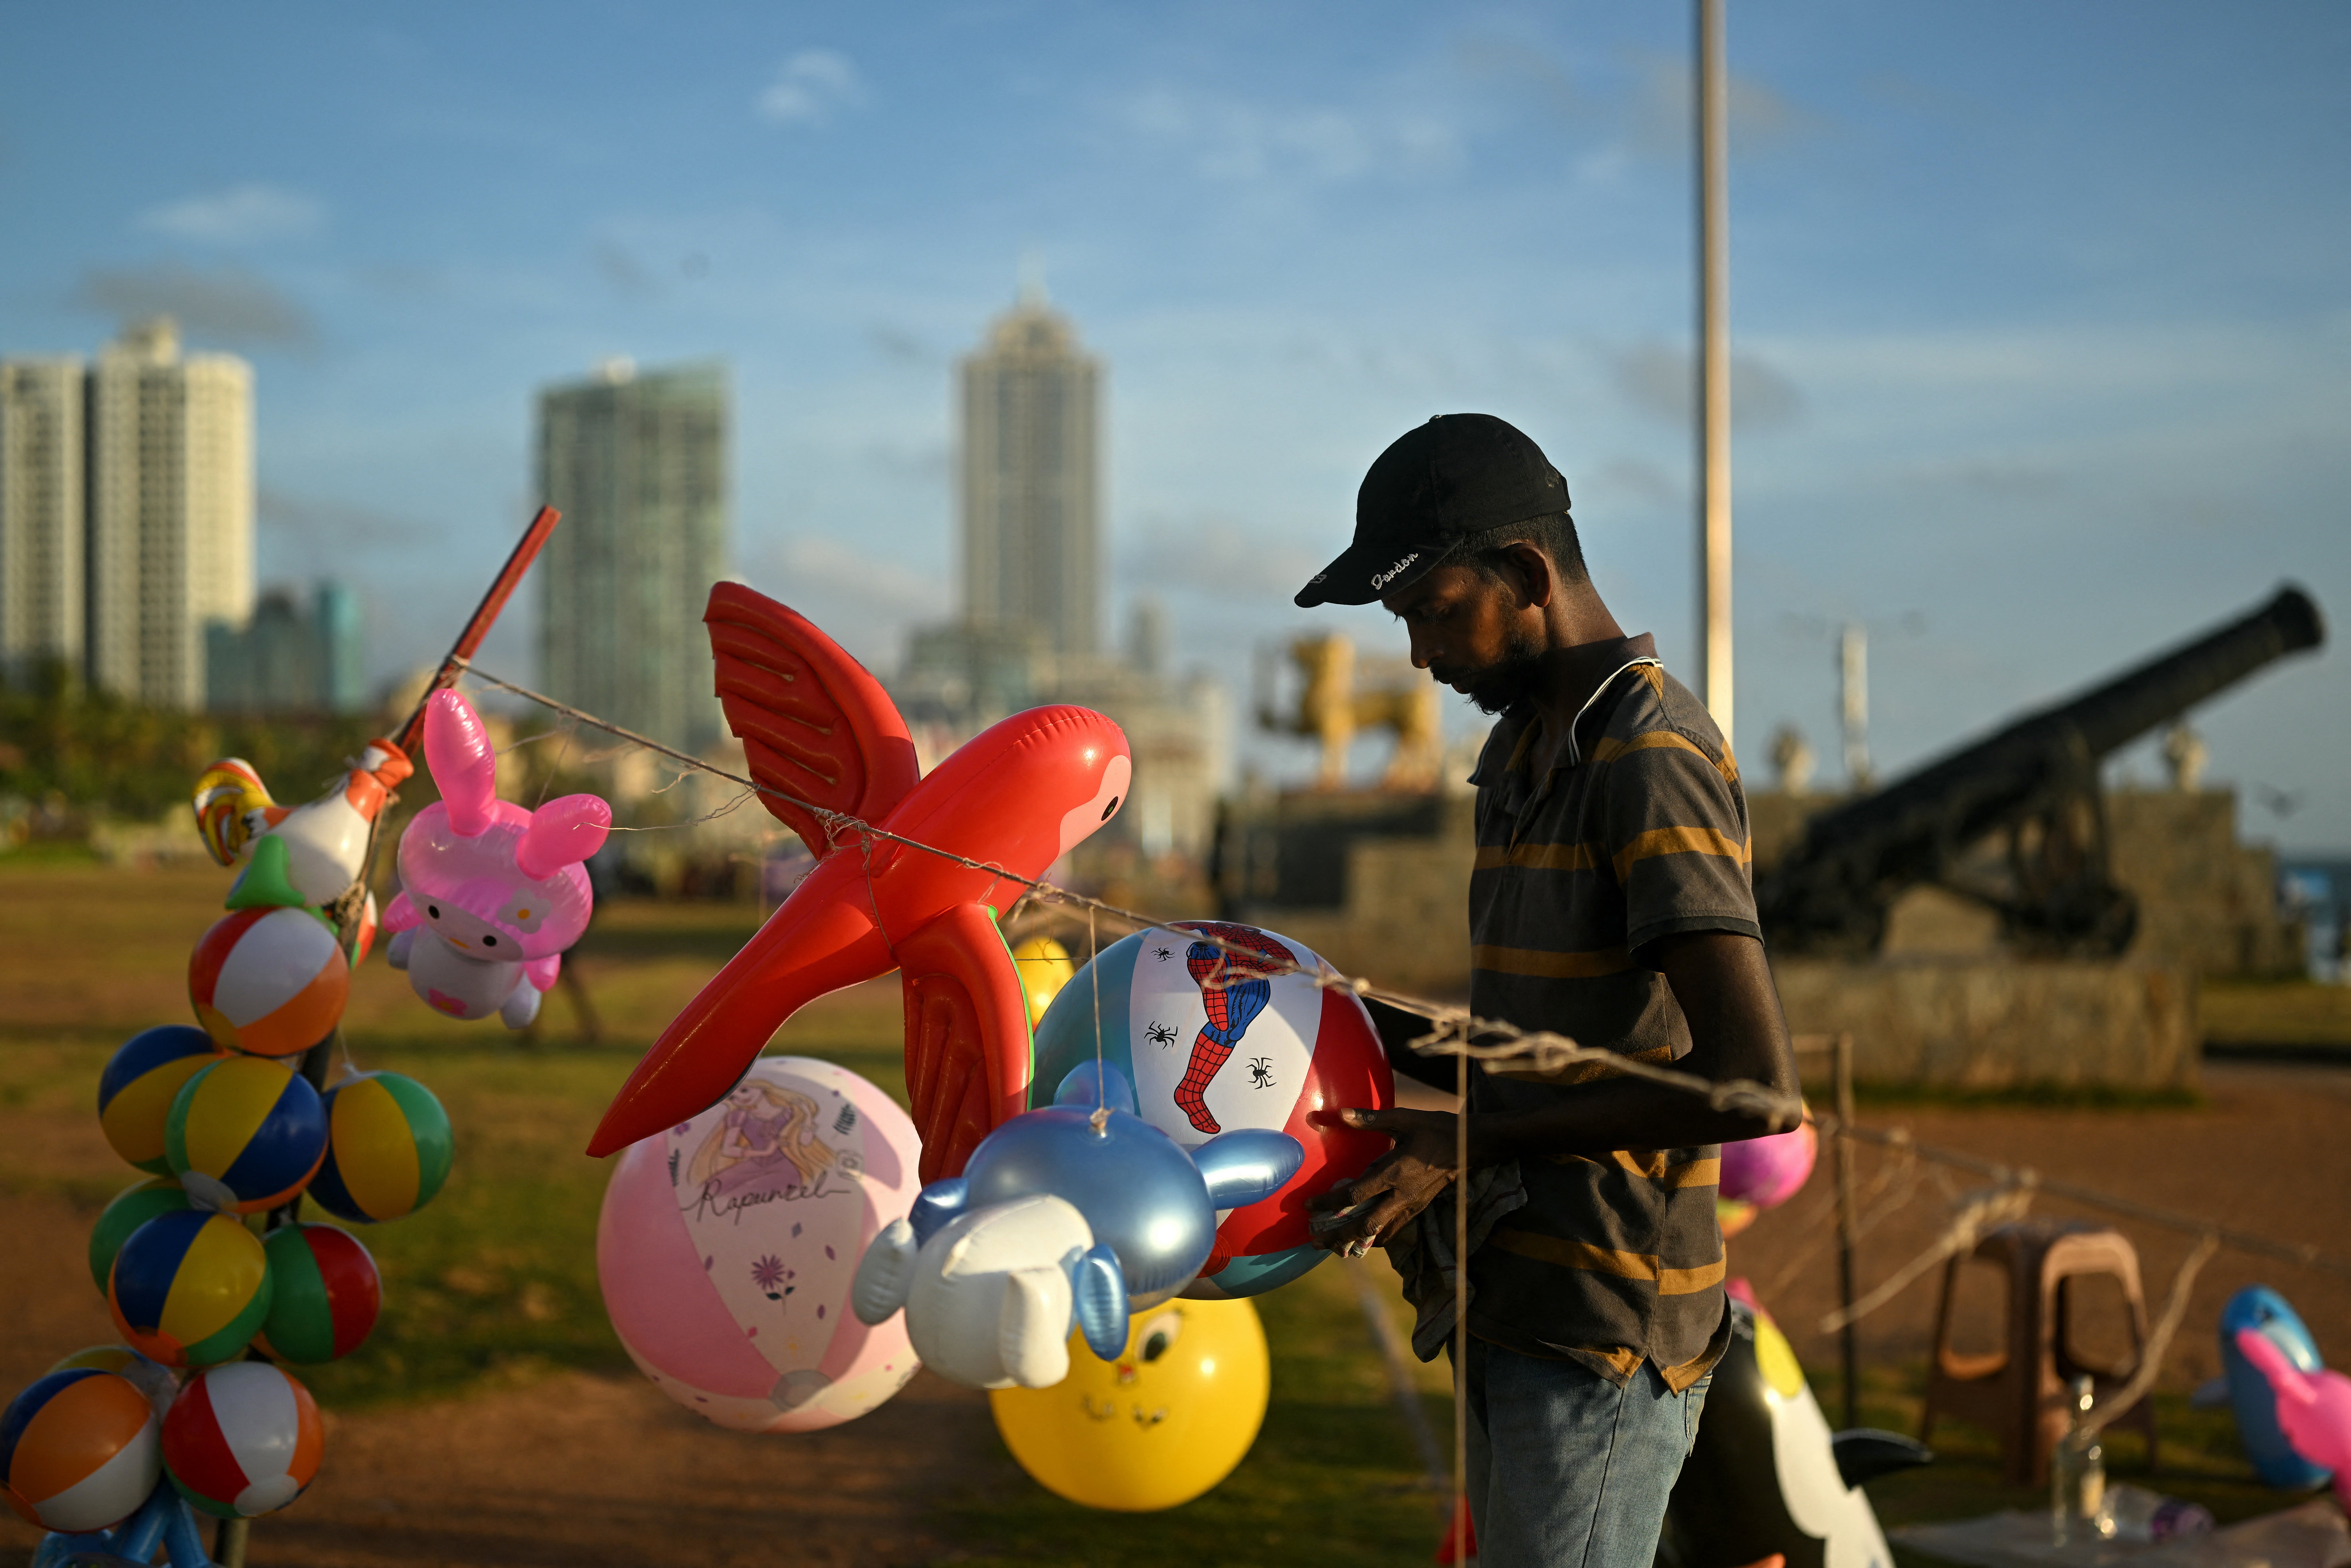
(41, 503)
(169, 513)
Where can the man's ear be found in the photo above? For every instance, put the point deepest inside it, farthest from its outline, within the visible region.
(1537, 578)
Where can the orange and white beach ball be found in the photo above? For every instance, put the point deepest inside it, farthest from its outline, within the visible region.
(269, 980)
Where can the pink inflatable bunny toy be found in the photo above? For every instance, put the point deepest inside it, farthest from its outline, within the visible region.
(491, 894)
(2314, 1408)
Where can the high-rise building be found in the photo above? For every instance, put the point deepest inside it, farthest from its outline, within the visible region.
(290, 659)
(1030, 629)
(40, 514)
(637, 464)
(1031, 480)
(169, 513)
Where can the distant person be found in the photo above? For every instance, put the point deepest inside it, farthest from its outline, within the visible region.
(1611, 904)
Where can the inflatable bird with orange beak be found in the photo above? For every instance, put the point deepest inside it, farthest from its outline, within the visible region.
(829, 751)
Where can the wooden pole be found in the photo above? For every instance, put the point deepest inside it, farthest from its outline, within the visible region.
(1459, 1525)
(1842, 1154)
(229, 1539)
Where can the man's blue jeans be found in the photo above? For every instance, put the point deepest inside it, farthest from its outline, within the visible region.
(1566, 1470)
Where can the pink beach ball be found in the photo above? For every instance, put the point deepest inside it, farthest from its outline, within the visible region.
(728, 1246)
(1767, 1172)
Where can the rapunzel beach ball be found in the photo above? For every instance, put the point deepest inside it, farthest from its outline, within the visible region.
(728, 1245)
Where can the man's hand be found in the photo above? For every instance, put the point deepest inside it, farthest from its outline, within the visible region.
(1398, 1184)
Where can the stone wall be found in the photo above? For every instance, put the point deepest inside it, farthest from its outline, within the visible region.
(1403, 915)
(2206, 901)
(1994, 1023)
(1943, 1004)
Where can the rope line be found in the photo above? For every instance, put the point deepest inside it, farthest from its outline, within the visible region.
(2159, 1342)
(1457, 1031)
(1981, 1211)
(2253, 1242)
(1906, 1170)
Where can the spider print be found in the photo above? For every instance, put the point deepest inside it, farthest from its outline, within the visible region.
(1260, 1072)
(1161, 1034)
(1162, 954)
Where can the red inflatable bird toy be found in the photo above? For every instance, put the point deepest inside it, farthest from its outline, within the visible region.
(1018, 796)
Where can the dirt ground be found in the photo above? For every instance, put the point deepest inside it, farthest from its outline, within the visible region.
(2269, 1152)
(587, 1469)
(594, 1470)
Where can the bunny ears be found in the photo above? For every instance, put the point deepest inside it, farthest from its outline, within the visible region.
(464, 764)
(464, 767)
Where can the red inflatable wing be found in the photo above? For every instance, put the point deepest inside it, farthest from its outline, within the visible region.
(813, 723)
(995, 814)
(967, 1035)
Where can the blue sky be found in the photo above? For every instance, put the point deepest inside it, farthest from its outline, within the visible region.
(2043, 312)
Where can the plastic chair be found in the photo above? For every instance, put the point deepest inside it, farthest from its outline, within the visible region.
(2024, 1392)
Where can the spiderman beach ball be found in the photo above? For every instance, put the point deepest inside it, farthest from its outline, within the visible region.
(1222, 1026)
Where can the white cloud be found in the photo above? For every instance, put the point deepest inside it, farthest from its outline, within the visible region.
(875, 579)
(813, 85)
(242, 214)
(1663, 109)
(1240, 141)
(1216, 555)
(1662, 381)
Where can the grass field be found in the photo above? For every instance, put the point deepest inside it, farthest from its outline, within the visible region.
(2277, 1013)
(492, 1286)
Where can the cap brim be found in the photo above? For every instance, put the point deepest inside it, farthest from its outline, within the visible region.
(1360, 575)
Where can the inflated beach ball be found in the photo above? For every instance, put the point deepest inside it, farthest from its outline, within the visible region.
(152, 1378)
(79, 1450)
(388, 1148)
(134, 1092)
(190, 1289)
(1158, 1424)
(728, 1245)
(269, 980)
(1768, 1172)
(1220, 1025)
(245, 1135)
(323, 1293)
(1045, 967)
(131, 1208)
(241, 1439)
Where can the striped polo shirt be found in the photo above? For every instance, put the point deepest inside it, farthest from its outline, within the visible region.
(1638, 832)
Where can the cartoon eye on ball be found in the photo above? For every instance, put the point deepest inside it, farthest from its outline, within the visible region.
(1159, 1335)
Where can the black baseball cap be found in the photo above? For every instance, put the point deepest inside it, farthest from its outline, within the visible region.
(1458, 475)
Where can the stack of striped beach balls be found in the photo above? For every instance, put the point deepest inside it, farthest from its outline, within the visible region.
(208, 1302)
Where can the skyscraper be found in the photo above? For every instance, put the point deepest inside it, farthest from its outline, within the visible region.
(637, 464)
(40, 514)
(1031, 480)
(169, 512)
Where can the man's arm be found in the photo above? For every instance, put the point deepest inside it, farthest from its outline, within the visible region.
(1724, 987)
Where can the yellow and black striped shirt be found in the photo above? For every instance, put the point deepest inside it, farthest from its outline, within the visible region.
(1639, 832)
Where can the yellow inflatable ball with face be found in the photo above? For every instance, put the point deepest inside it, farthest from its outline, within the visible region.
(1159, 1426)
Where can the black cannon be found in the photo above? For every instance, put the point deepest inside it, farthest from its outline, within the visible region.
(2036, 782)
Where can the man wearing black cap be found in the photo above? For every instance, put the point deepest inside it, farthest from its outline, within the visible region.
(1611, 904)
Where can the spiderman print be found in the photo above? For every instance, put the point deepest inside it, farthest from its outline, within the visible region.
(1232, 970)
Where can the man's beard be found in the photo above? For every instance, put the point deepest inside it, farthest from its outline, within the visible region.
(1508, 681)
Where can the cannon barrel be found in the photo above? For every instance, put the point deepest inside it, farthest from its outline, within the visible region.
(1834, 888)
